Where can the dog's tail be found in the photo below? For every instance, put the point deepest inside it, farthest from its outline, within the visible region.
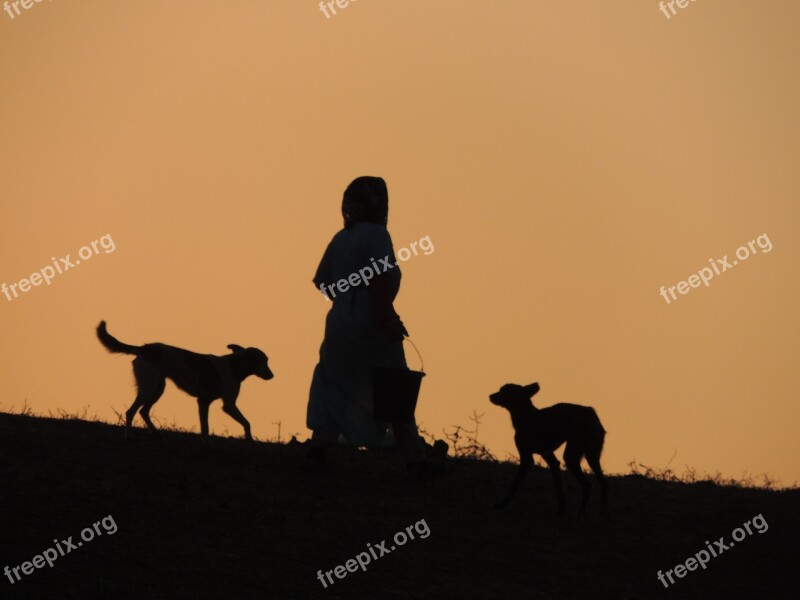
(112, 343)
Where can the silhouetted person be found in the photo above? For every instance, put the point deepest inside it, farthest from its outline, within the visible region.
(362, 331)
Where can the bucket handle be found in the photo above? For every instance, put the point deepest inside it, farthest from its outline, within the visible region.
(413, 345)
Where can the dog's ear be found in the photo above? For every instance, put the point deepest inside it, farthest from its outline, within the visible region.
(234, 347)
(531, 389)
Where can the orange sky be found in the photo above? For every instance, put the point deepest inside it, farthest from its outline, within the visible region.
(566, 158)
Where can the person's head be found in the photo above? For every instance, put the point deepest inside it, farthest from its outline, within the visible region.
(366, 199)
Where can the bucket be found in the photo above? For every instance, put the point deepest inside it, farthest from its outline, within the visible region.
(396, 391)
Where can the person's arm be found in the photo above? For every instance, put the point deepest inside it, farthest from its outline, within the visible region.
(379, 244)
(322, 278)
(385, 314)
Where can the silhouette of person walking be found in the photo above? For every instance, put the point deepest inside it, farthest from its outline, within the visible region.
(362, 331)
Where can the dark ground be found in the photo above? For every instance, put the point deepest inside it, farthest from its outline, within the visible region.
(239, 521)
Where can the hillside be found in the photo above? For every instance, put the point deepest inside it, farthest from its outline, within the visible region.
(243, 521)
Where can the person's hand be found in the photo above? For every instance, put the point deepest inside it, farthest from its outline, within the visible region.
(395, 330)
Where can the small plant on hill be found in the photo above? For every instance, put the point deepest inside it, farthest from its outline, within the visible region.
(690, 475)
(464, 441)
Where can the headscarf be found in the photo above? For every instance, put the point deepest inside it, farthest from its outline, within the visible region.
(366, 199)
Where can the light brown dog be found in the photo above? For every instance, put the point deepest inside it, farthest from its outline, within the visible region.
(205, 376)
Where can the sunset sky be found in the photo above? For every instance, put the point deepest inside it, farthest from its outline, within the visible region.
(566, 158)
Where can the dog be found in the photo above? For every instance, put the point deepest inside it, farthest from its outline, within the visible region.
(542, 431)
(205, 376)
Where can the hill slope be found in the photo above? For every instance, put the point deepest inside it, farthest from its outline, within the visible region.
(243, 521)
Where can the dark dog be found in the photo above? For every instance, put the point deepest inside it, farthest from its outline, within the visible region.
(204, 376)
(543, 431)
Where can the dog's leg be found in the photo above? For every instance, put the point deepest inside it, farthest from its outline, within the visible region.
(593, 458)
(572, 458)
(229, 406)
(147, 382)
(145, 413)
(525, 462)
(203, 406)
(155, 394)
(130, 413)
(555, 471)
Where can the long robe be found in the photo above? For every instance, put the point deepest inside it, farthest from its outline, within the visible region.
(341, 397)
